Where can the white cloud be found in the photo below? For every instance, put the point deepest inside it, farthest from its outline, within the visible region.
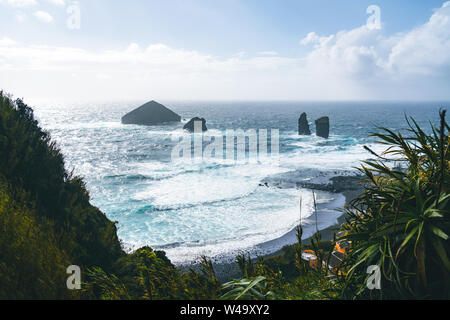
(59, 3)
(20, 17)
(313, 38)
(137, 72)
(350, 64)
(43, 16)
(103, 76)
(6, 42)
(240, 54)
(414, 62)
(346, 53)
(19, 3)
(268, 53)
(424, 50)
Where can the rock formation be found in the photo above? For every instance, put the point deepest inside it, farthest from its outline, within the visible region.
(323, 127)
(190, 125)
(303, 125)
(150, 114)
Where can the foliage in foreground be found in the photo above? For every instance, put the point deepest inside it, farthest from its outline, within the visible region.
(402, 220)
(285, 276)
(149, 275)
(46, 220)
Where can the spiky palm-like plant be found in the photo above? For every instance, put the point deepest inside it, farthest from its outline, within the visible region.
(401, 222)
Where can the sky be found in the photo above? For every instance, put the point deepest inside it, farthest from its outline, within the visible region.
(225, 50)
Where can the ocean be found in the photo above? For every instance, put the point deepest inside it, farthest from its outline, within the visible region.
(218, 208)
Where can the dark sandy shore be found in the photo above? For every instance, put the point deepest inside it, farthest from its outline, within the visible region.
(348, 186)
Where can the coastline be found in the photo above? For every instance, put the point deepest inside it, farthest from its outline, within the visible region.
(348, 186)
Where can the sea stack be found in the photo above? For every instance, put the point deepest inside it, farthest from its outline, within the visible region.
(150, 114)
(190, 125)
(303, 125)
(323, 127)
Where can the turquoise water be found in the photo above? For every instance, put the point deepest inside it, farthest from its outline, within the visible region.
(218, 207)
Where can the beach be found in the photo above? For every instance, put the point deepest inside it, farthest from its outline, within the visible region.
(349, 186)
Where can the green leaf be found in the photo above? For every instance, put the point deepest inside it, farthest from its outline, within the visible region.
(408, 237)
(439, 232)
(442, 254)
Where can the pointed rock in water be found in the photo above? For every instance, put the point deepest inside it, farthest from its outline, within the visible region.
(303, 125)
(190, 125)
(323, 127)
(150, 114)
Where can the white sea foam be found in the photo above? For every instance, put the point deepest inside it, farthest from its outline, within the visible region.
(329, 157)
(266, 214)
(209, 185)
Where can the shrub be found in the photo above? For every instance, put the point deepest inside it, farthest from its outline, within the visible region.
(402, 220)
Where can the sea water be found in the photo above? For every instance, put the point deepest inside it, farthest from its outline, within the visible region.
(217, 208)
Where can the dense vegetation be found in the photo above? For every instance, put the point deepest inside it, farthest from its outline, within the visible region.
(400, 222)
(46, 220)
